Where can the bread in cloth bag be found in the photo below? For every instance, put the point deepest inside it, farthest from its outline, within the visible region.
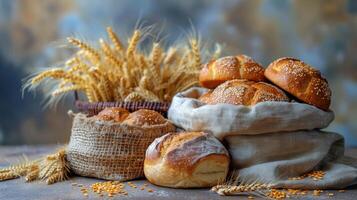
(186, 160)
(113, 150)
(243, 92)
(191, 114)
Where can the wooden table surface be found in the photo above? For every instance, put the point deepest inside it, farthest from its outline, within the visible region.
(17, 189)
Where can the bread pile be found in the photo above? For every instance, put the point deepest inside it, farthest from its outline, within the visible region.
(142, 117)
(239, 80)
(194, 159)
(240, 99)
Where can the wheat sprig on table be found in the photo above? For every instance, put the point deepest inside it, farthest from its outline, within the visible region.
(235, 185)
(118, 72)
(51, 169)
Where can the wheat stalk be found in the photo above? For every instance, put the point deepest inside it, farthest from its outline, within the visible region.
(116, 72)
(51, 169)
(115, 39)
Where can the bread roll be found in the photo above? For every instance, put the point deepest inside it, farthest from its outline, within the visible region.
(228, 68)
(244, 92)
(116, 114)
(300, 80)
(186, 160)
(144, 117)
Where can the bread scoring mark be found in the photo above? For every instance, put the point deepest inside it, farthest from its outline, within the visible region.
(185, 153)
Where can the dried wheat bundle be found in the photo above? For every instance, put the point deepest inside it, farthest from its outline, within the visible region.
(51, 169)
(118, 72)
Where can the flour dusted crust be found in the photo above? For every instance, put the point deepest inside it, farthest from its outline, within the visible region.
(228, 68)
(186, 160)
(244, 92)
(300, 80)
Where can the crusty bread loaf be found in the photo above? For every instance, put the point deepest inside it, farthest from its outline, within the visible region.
(228, 68)
(144, 117)
(186, 160)
(300, 80)
(116, 114)
(244, 92)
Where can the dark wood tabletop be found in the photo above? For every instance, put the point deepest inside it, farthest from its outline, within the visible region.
(17, 189)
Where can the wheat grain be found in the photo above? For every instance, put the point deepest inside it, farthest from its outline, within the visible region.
(133, 43)
(8, 175)
(156, 55)
(33, 173)
(45, 74)
(171, 56)
(196, 53)
(86, 48)
(134, 97)
(115, 39)
(67, 89)
(109, 54)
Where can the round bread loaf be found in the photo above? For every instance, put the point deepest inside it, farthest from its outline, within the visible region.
(113, 113)
(144, 117)
(300, 80)
(186, 160)
(228, 68)
(244, 92)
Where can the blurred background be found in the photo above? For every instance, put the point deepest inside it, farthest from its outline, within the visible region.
(323, 33)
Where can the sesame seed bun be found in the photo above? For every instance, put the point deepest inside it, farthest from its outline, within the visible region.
(300, 80)
(244, 92)
(144, 117)
(228, 68)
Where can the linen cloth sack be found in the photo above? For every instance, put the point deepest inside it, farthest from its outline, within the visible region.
(110, 150)
(277, 157)
(188, 113)
(271, 142)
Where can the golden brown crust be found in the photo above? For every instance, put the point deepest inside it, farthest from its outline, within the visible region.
(228, 68)
(113, 113)
(186, 159)
(144, 117)
(300, 80)
(244, 92)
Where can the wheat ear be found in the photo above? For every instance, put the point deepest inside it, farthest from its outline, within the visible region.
(196, 53)
(133, 43)
(67, 89)
(86, 48)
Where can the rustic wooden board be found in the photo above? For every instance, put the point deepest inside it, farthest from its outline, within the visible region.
(17, 189)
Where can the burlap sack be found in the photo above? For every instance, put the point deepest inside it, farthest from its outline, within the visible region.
(223, 120)
(109, 150)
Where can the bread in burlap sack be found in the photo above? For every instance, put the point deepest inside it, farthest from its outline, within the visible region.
(109, 150)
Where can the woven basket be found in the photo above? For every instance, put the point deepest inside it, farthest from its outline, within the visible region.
(109, 150)
(95, 108)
